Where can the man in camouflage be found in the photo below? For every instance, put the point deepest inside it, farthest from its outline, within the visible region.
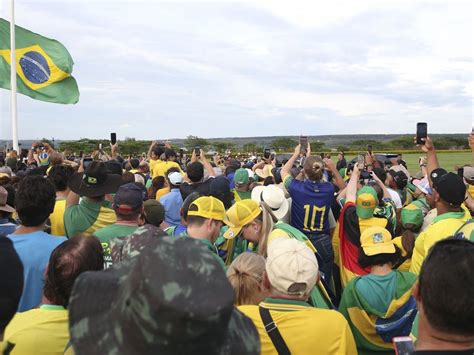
(171, 297)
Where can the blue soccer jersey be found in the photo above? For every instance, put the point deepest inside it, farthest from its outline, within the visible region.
(311, 203)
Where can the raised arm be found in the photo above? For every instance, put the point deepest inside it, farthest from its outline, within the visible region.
(338, 180)
(73, 198)
(379, 182)
(431, 158)
(207, 165)
(150, 149)
(285, 171)
(351, 191)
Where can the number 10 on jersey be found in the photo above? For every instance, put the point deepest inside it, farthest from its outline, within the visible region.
(313, 218)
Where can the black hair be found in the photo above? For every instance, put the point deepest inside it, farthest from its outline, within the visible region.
(379, 259)
(268, 181)
(446, 286)
(381, 173)
(76, 255)
(158, 151)
(34, 200)
(135, 163)
(60, 175)
(169, 153)
(379, 192)
(157, 183)
(195, 171)
(187, 202)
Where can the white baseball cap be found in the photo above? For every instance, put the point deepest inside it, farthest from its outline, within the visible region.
(291, 262)
(175, 178)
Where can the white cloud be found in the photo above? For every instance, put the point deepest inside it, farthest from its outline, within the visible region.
(218, 68)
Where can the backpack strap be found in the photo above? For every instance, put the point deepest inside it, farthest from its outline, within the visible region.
(272, 330)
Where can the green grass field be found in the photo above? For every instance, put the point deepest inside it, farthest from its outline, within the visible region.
(446, 160)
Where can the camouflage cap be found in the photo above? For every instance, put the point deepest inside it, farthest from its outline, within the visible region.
(173, 297)
(132, 245)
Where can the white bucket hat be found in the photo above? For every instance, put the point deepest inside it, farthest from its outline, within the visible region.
(274, 197)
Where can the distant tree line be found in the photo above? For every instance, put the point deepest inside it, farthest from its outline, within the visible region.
(280, 145)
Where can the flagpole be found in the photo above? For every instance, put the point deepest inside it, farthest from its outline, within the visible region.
(13, 107)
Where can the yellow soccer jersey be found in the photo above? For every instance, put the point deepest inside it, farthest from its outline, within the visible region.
(41, 330)
(57, 218)
(442, 227)
(305, 330)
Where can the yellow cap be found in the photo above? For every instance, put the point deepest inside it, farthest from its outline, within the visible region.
(240, 214)
(207, 207)
(377, 240)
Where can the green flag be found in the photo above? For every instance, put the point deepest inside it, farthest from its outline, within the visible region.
(43, 66)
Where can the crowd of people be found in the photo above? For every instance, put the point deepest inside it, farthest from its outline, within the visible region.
(106, 254)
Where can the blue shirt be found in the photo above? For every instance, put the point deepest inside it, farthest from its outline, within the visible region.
(172, 202)
(310, 205)
(6, 227)
(231, 180)
(34, 250)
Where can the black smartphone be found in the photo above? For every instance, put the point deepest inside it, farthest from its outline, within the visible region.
(87, 162)
(81, 154)
(403, 345)
(113, 138)
(303, 144)
(197, 150)
(369, 148)
(421, 132)
(266, 153)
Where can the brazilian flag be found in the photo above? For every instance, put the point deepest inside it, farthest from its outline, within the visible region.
(373, 330)
(43, 66)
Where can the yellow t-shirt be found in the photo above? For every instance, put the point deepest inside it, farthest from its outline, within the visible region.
(405, 266)
(161, 192)
(305, 330)
(57, 218)
(278, 233)
(442, 227)
(160, 167)
(41, 330)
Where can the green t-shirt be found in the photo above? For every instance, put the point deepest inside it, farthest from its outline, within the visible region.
(88, 217)
(106, 234)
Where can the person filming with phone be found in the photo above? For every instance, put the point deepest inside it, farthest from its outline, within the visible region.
(311, 201)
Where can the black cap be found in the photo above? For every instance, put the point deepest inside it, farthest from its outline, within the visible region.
(436, 174)
(400, 178)
(11, 285)
(451, 189)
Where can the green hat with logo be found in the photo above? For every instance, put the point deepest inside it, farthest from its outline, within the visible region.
(412, 214)
(366, 202)
(241, 177)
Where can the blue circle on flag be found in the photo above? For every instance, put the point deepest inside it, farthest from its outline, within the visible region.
(35, 67)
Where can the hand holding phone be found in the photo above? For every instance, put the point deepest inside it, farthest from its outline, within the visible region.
(86, 162)
(197, 151)
(421, 132)
(303, 144)
(361, 162)
(403, 345)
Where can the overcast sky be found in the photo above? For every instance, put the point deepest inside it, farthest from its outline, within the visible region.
(154, 69)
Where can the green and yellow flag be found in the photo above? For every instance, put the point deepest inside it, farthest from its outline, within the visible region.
(43, 66)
